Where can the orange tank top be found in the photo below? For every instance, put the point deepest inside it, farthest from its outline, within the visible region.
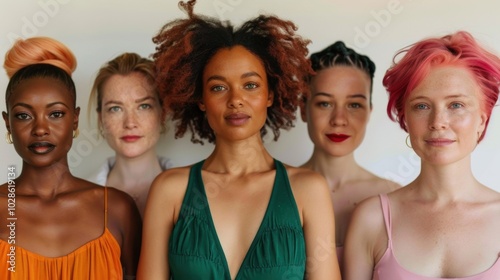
(96, 260)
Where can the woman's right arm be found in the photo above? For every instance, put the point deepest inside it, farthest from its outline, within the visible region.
(162, 209)
(362, 243)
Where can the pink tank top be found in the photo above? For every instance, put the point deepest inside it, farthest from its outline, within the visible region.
(388, 267)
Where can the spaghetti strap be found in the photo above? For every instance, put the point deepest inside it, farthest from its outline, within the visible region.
(105, 207)
(386, 210)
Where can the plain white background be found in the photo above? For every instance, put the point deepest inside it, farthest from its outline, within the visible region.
(97, 31)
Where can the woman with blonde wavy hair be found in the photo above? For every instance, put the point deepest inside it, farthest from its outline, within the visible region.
(131, 118)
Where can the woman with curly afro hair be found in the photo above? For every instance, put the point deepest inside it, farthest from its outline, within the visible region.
(240, 213)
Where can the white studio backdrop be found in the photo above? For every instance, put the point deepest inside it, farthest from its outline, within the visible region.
(97, 31)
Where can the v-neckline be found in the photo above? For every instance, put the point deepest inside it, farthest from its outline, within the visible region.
(257, 235)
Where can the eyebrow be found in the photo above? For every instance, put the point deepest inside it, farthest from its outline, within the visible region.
(331, 95)
(244, 75)
(21, 104)
(136, 101)
(446, 97)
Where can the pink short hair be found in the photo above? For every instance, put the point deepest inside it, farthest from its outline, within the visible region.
(458, 49)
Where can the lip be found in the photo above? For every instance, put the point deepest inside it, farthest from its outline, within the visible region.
(237, 119)
(41, 148)
(130, 138)
(439, 142)
(337, 138)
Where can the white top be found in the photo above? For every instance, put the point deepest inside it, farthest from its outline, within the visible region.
(101, 175)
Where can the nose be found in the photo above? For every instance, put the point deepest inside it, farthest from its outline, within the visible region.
(235, 99)
(130, 120)
(40, 127)
(339, 117)
(438, 120)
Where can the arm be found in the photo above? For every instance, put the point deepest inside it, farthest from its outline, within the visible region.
(363, 241)
(162, 209)
(318, 224)
(123, 212)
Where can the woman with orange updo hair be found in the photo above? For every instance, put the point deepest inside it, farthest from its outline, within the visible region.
(59, 226)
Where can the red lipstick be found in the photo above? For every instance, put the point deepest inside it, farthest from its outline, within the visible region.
(337, 138)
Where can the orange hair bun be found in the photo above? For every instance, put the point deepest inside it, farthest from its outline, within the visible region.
(39, 50)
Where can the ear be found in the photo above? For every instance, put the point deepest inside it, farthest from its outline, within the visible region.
(270, 98)
(302, 106)
(6, 120)
(482, 125)
(201, 105)
(76, 117)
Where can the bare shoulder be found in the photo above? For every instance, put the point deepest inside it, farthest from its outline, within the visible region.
(382, 185)
(308, 186)
(389, 185)
(171, 183)
(369, 212)
(305, 178)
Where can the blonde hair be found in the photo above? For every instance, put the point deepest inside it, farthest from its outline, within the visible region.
(123, 64)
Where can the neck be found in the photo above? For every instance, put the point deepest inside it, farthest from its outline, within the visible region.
(239, 157)
(45, 182)
(336, 170)
(448, 183)
(137, 170)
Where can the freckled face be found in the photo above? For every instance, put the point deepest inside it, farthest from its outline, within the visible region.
(338, 110)
(131, 115)
(444, 115)
(41, 117)
(235, 94)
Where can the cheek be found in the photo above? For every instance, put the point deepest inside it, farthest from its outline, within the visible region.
(318, 118)
(111, 125)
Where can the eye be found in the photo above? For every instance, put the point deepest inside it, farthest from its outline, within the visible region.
(57, 114)
(355, 105)
(218, 88)
(421, 106)
(251, 86)
(323, 104)
(23, 116)
(456, 105)
(145, 106)
(114, 109)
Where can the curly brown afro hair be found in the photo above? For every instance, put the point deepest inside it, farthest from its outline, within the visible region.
(184, 47)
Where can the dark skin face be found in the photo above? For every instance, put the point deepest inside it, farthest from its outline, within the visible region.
(42, 117)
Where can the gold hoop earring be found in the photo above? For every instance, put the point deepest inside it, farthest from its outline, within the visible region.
(8, 138)
(76, 132)
(406, 142)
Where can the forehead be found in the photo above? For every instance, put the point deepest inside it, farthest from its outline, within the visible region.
(337, 74)
(133, 85)
(41, 90)
(448, 80)
(341, 80)
(234, 60)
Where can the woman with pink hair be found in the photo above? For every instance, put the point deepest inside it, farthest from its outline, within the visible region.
(445, 224)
